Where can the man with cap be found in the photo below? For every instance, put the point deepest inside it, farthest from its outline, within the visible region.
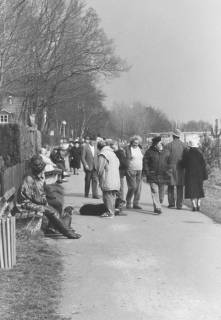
(155, 167)
(89, 161)
(32, 196)
(176, 149)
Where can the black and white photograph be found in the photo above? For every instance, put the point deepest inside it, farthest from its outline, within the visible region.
(110, 160)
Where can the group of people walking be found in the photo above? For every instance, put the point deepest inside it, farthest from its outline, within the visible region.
(175, 165)
(172, 166)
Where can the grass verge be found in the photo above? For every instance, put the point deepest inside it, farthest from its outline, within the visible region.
(32, 289)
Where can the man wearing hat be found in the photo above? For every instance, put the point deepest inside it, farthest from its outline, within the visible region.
(155, 167)
(176, 149)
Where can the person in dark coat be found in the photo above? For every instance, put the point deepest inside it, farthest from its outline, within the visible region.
(156, 168)
(195, 174)
(176, 149)
(75, 157)
(89, 160)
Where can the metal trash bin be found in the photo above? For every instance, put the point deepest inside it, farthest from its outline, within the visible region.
(7, 242)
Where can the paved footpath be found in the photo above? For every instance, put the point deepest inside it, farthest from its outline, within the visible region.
(140, 266)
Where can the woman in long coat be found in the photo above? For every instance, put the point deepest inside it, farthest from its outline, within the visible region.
(75, 157)
(195, 174)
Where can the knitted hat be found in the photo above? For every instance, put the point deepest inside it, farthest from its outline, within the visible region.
(37, 164)
(155, 140)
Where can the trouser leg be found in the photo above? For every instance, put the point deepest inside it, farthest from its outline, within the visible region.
(155, 195)
(179, 201)
(109, 198)
(137, 190)
(87, 182)
(121, 192)
(131, 184)
(56, 223)
(94, 178)
(171, 198)
(161, 192)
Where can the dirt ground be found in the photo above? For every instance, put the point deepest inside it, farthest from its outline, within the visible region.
(140, 266)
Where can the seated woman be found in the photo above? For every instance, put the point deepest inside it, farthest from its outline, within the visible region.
(32, 196)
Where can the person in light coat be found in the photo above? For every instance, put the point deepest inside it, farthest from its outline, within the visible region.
(109, 177)
(134, 167)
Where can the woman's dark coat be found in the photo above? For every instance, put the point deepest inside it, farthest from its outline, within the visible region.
(75, 157)
(195, 173)
(155, 165)
(120, 153)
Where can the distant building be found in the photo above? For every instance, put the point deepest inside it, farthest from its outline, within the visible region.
(6, 117)
(10, 107)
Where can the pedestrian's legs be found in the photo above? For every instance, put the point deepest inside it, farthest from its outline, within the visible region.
(137, 190)
(171, 198)
(161, 192)
(87, 182)
(109, 198)
(198, 204)
(155, 196)
(131, 184)
(194, 204)
(179, 199)
(121, 192)
(94, 178)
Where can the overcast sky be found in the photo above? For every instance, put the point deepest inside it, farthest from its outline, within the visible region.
(174, 47)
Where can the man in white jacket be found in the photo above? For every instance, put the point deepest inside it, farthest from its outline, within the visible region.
(108, 174)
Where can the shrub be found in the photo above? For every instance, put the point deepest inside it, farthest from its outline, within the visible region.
(209, 150)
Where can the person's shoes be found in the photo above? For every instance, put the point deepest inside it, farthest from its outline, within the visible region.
(59, 181)
(128, 206)
(96, 197)
(117, 212)
(194, 209)
(158, 211)
(179, 208)
(198, 208)
(66, 174)
(64, 180)
(121, 204)
(171, 206)
(73, 235)
(107, 215)
(86, 196)
(137, 207)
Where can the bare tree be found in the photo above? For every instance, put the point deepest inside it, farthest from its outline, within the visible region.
(49, 46)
